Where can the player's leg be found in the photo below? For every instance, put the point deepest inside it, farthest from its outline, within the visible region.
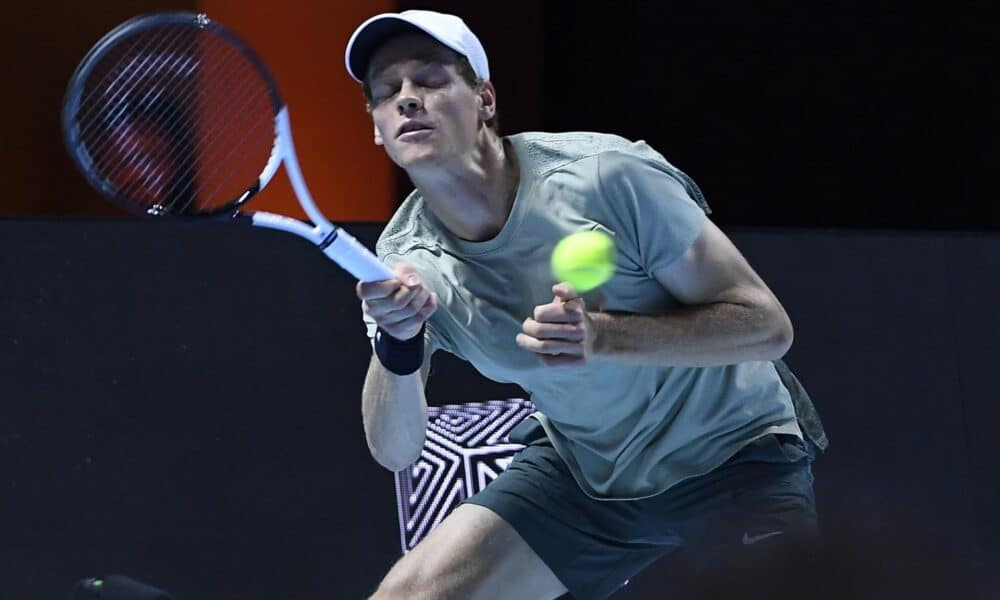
(758, 508)
(472, 554)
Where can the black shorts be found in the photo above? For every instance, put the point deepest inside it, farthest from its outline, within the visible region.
(760, 495)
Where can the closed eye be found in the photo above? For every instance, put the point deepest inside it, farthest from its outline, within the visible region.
(383, 95)
(430, 76)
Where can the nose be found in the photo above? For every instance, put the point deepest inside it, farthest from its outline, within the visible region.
(408, 102)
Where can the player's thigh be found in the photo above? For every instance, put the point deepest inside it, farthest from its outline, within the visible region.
(472, 554)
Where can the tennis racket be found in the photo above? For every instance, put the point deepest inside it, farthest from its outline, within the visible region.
(172, 114)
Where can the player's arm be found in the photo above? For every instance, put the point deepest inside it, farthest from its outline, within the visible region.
(394, 412)
(729, 316)
(393, 407)
(729, 313)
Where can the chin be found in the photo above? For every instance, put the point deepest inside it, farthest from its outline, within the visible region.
(415, 157)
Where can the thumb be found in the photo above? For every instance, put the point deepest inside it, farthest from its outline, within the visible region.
(406, 274)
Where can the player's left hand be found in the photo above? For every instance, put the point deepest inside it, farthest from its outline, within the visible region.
(560, 332)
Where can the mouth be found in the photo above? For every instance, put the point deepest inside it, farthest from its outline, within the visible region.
(411, 127)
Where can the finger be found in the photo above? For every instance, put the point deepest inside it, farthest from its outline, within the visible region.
(565, 291)
(575, 304)
(424, 303)
(380, 308)
(374, 290)
(408, 295)
(548, 346)
(562, 360)
(560, 312)
(405, 329)
(405, 310)
(407, 274)
(553, 331)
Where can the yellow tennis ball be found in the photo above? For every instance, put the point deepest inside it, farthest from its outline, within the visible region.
(584, 259)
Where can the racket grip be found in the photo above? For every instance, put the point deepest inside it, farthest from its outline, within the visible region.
(356, 259)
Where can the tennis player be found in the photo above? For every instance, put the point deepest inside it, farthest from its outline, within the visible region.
(665, 421)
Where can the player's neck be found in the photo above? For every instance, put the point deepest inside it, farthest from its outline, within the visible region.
(472, 197)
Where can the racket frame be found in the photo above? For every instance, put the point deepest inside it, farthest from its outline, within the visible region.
(336, 243)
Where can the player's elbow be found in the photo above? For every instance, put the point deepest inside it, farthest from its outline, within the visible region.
(395, 464)
(395, 457)
(781, 338)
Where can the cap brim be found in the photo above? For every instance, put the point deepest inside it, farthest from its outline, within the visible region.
(367, 39)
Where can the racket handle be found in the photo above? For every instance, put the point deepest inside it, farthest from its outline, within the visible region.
(346, 251)
(356, 259)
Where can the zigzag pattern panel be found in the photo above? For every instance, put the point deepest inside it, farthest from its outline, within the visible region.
(466, 448)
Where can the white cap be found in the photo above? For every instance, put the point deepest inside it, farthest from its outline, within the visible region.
(447, 29)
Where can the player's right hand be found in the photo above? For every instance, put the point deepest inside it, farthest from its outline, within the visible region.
(399, 306)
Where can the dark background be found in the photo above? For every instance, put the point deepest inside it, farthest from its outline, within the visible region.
(182, 403)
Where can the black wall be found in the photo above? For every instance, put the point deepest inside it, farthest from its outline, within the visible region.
(805, 114)
(181, 404)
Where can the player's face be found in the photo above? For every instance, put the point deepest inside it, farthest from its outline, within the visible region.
(424, 112)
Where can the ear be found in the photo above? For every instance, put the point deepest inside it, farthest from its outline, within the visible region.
(378, 136)
(487, 101)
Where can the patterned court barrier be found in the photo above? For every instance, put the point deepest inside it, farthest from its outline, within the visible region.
(466, 448)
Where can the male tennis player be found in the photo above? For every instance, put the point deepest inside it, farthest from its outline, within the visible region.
(663, 421)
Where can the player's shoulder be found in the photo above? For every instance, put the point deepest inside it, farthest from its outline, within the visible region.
(546, 152)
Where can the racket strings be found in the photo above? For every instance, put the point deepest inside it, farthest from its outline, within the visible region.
(129, 51)
(134, 90)
(188, 145)
(218, 134)
(130, 149)
(135, 73)
(158, 115)
(177, 120)
(155, 117)
(226, 160)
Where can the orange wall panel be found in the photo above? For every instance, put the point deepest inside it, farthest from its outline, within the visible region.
(302, 42)
(40, 54)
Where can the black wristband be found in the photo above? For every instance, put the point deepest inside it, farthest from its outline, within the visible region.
(401, 357)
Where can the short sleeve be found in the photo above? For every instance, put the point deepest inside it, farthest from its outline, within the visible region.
(652, 210)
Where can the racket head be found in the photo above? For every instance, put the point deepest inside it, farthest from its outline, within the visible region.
(173, 114)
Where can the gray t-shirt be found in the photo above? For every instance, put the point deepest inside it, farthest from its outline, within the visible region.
(625, 431)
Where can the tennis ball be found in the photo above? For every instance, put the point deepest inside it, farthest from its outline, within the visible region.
(584, 259)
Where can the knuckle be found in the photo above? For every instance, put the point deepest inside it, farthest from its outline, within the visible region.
(405, 312)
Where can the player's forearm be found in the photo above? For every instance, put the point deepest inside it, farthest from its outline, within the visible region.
(394, 411)
(694, 336)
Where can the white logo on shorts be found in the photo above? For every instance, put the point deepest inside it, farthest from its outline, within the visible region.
(753, 539)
